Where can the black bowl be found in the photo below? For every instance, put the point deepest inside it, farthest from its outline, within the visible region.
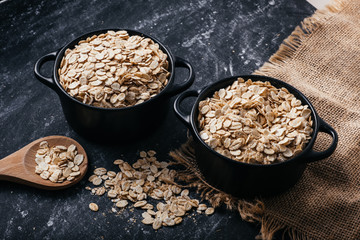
(115, 123)
(244, 179)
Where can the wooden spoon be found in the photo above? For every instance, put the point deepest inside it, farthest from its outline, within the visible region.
(19, 167)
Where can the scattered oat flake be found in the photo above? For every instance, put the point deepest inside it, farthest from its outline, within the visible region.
(209, 211)
(93, 207)
(134, 185)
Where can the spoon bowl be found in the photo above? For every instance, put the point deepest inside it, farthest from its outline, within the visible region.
(19, 167)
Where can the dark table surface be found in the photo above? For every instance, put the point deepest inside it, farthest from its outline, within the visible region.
(220, 38)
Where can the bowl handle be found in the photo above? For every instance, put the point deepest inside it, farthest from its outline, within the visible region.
(179, 62)
(185, 118)
(48, 81)
(326, 128)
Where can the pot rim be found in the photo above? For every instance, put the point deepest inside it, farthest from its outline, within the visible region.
(209, 91)
(60, 55)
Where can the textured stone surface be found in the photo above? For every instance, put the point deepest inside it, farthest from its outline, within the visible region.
(220, 38)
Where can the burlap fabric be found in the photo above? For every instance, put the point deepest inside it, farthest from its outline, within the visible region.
(321, 58)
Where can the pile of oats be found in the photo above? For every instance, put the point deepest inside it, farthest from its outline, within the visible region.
(58, 163)
(254, 122)
(147, 178)
(114, 70)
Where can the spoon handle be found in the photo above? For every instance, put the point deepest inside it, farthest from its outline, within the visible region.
(12, 167)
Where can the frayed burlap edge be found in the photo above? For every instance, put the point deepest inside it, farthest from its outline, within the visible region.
(254, 210)
(291, 45)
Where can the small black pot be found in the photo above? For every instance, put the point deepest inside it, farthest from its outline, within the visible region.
(115, 123)
(243, 179)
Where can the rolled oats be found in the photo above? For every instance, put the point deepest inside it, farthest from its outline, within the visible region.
(140, 203)
(78, 159)
(142, 181)
(97, 181)
(112, 194)
(70, 178)
(122, 203)
(118, 162)
(114, 70)
(148, 221)
(202, 207)
(93, 207)
(178, 220)
(100, 191)
(100, 171)
(209, 211)
(56, 164)
(254, 122)
(157, 224)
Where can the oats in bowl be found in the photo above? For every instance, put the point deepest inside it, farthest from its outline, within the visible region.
(255, 122)
(110, 80)
(252, 138)
(114, 70)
